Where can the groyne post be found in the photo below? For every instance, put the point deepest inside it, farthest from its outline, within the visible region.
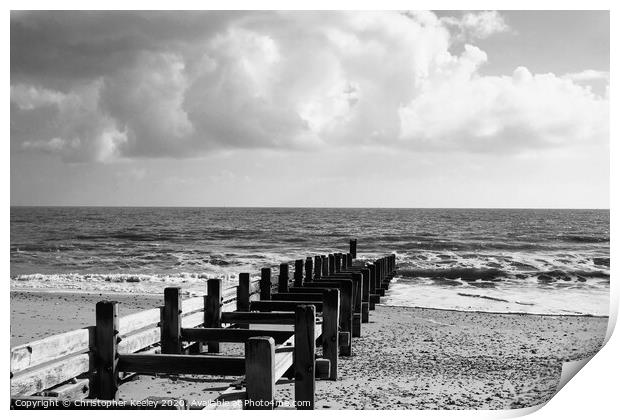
(283, 278)
(304, 354)
(265, 283)
(260, 360)
(213, 310)
(171, 321)
(299, 273)
(106, 359)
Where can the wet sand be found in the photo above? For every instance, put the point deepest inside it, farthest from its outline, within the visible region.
(407, 358)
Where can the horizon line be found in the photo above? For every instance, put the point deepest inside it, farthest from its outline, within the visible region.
(308, 207)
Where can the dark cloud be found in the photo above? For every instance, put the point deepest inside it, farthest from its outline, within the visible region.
(109, 85)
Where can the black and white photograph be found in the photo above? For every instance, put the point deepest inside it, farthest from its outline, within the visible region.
(306, 209)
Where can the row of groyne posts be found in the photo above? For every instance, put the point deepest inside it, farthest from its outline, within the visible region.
(327, 300)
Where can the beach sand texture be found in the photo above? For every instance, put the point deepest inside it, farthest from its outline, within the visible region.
(407, 358)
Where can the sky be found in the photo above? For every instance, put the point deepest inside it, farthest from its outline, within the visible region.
(321, 109)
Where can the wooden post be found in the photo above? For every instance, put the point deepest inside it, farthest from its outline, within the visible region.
(317, 267)
(353, 248)
(308, 276)
(329, 335)
(349, 260)
(171, 321)
(357, 311)
(384, 266)
(372, 286)
(299, 273)
(365, 295)
(213, 310)
(325, 265)
(303, 359)
(378, 281)
(332, 263)
(337, 257)
(260, 361)
(283, 278)
(243, 297)
(345, 261)
(243, 293)
(106, 356)
(383, 271)
(265, 284)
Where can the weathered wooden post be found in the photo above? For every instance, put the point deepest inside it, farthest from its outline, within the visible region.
(325, 265)
(243, 292)
(299, 273)
(265, 284)
(337, 259)
(373, 286)
(365, 295)
(303, 356)
(353, 248)
(213, 310)
(317, 267)
(171, 321)
(260, 361)
(308, 276)
(332, 263)
(243, 296)
(357, 311)
(383, 270)
(106, 356)
(379, 278)
(349, 260)
(283, 278)
(329, 335)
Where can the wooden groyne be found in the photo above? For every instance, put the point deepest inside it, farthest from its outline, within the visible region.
(323, 304)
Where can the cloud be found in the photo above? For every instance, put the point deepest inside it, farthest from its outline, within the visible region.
(477, 25)
(101, 86)
(588, 75)
(502, 114)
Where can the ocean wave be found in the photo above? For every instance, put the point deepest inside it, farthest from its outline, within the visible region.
(191, 283)
(464, 273)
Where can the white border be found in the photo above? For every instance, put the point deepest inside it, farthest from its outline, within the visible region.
(592, 393)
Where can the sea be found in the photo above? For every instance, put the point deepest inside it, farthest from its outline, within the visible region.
(553, 262)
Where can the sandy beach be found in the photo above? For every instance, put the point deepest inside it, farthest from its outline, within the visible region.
(407, 358)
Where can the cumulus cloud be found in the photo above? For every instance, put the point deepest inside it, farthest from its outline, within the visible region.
(588, 75)
(116, 85)
(502, 114)
(477, 25)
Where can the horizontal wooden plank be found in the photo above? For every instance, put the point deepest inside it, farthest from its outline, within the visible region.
(193, 320)
(181, 364)
(132, 323)
(297, 296)
(35, 353)
(47, 376)
(192, 305)
(282, 305)
(141, 340)
(282, 318)
(231, 335)
(229, 293)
